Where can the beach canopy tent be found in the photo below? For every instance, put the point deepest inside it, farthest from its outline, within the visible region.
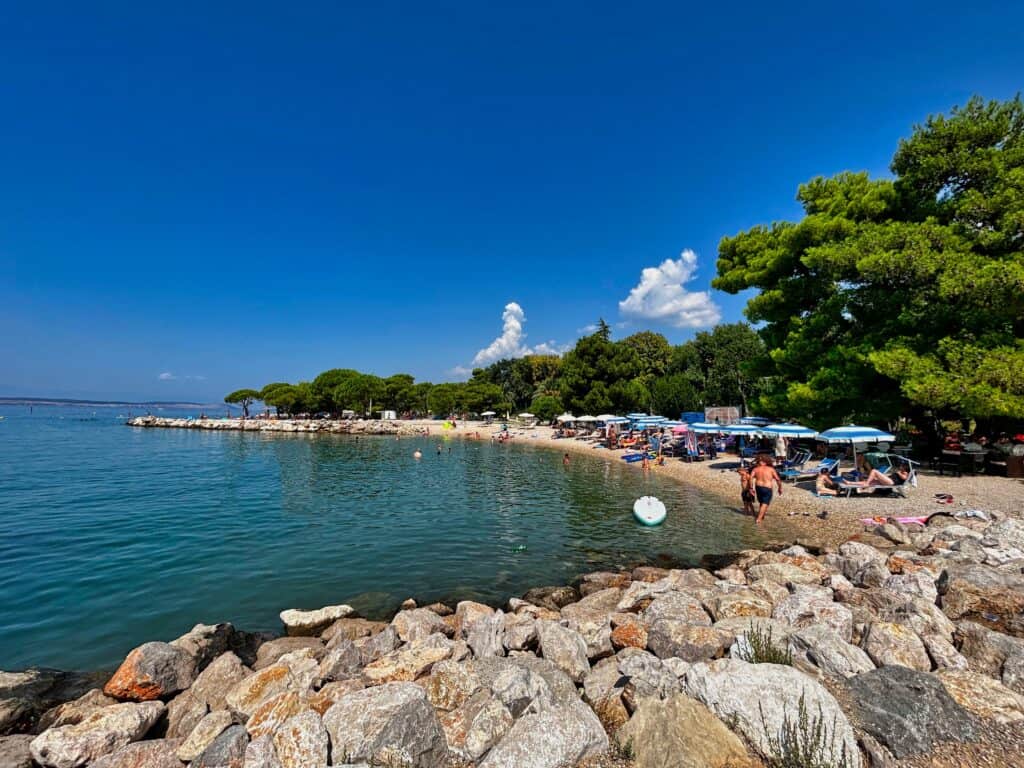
(789, 430)
(852, 434)
(704, 427)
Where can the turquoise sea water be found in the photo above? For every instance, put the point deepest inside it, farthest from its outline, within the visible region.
(111, 536)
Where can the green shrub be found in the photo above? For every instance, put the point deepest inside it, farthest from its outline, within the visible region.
(761, 650)
(804, 742)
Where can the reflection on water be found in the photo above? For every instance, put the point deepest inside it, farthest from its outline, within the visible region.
(110, 536)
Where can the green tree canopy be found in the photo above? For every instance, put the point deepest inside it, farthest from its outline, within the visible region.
(359, 393)
(244, 398)
(891, 295)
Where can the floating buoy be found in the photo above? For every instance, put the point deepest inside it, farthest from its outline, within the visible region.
(417, 455)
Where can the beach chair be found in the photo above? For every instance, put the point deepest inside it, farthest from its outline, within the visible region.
(796, 474)
(798, 459)
(901, 489)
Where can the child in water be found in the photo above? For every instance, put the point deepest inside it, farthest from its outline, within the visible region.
(746, 491)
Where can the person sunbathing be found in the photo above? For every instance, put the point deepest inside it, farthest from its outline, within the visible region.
(876, 478)
(825, 485)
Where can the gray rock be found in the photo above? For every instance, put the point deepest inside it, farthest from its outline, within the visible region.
(450, 684)
(206, 730)
(377, 646)
(389, 722)
(521, 690)
(943, 654)
(559, 736)
(992, 653)
(306, 623)
(646, 676)
(152, 671)
(71, 712)
(24, 696)
(988, 699)
(293, 673)
(418, 623)
(477, 725)
(565, 647)
(758, 699)
(982, 593)
(342, 661)
(520, 632)
(808, 606)
(680, 733)
(594, 626)
(467, 613)
(261, 753)
(226, 751)
(893, 644)
(14, 751)
(486, 635)
(159, 753)
(821, 648)
(677, 606)
(104, 731)
(302, 742)
(916, 584)
(686, 641)
(552, 598)
(205, 642)
(909, 712)
(217, 679)
(783, 573)
(273, 650)
(184, 712)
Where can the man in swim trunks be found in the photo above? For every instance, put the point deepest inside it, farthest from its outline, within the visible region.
(764, 475)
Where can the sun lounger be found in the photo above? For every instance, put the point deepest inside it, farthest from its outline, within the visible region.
(809, 473)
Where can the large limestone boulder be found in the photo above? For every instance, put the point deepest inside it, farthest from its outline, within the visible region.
(450, 684)
(565, 647)
(152, 671)
(742, 603)
(184, 712)
(477, 725)
(984, 594)
(341, 662)
(261, 753)
(14, 751)
(992, 653)
(552, 598)
(519, 632)
(226, 751)
(307, 623)
(275, 712)
(680, 733)
(271, 651)
(888, 643)
(467, 613)
(821, 650)
(404, 665)
(351, 628)
(373, 647)
(217, 679)
(205, 642)
(677, 606)
(810, 605)
(419, 623)
(158, 753)
(761, 698)
(670, 638)
(521, 690)
(71, 712)
(202, 736)
(294, 673)
(302, 742)
(104, 731)
(388, 722)
(561, 735)
(908, 712)
(985, 697)
(486, 635)
(783, 573)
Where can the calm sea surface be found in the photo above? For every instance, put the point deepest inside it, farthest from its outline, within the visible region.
(111, 536)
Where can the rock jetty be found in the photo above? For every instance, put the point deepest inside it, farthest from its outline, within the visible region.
(336, 426)
(902, 647)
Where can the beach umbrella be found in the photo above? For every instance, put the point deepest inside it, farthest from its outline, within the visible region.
(488, 413)
(744, 430)
(680, 430)
(789, 430)
(566, 417)
(853, 434)
(609, 419)
(757, 421)
(527, 416)
(586, 418)
(704, 427)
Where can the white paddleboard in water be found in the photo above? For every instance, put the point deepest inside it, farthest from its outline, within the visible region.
(649, 510)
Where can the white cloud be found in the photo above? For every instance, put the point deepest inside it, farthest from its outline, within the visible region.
(661, 297)
(460, 372)
(167, 376)
(511, 343)
(587, 330)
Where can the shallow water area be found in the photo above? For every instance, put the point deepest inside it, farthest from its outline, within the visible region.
(111, 536)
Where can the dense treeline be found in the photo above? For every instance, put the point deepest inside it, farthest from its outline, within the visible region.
(899, 297)
(642, 372)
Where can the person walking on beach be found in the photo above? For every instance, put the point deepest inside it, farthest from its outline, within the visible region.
(746, 491)
(764, 475)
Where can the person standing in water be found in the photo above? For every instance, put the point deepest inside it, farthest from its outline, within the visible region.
(565, 460)
(747, 491)
(764, 475)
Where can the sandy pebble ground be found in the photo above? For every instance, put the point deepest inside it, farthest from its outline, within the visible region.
(797, 513)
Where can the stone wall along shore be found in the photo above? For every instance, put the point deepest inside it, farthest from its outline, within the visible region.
(336, 426)
(906, 645)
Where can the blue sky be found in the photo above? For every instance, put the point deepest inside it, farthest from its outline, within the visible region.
(231, 194)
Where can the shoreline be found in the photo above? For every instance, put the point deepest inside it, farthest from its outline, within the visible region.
(914, 611)
(795, 516)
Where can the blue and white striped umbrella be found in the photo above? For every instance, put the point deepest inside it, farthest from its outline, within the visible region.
(612, 419)
(706, 427)
(789, 430)
(746, 430)
(854, 434)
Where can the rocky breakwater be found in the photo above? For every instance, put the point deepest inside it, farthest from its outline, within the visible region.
(340, 426)
(902, 648)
